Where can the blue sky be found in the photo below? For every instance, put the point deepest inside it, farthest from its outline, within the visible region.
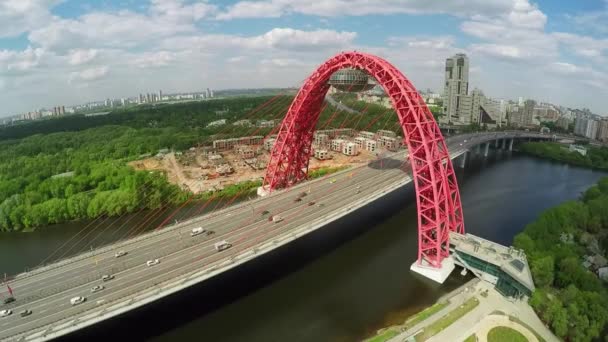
(67, 52)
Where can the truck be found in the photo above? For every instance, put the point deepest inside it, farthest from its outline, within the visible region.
(222, 245)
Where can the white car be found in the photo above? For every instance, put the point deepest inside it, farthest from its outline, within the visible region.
(97, 288)
(222, 245)
(107, 277)
(196, 231)
(120, 253)
(77, 300)
(5, 313)
(152, 262)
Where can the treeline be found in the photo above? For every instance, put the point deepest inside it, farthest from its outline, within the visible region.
(597, 157)
(570, 298)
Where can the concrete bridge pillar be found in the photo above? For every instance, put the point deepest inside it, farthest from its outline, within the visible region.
(486, 150)
(463, 160)
(504, 144)
(496, 143)
(478, 149)
(511, 144)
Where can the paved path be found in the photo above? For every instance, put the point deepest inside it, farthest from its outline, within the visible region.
(492, 321)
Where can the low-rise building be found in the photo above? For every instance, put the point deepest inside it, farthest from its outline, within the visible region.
(360, 142)
(390, 143)
(269, 144)
(366, 134)
(265, 123)
(242, 123)
(322, 154)
(227, 144)
(371, 145)
(321, 139)
(578, 148)
(216, 123)
(337, 144)
(350, 149)
(386, 133)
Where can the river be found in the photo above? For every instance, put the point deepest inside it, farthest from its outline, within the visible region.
(342, 283)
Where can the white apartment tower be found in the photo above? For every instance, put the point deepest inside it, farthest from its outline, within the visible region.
(456, 87)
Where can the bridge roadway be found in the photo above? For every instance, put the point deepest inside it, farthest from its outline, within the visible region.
(186, 260)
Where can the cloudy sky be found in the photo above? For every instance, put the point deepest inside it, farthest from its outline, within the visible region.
(67, 52)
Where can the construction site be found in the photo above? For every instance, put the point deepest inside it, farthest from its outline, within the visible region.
(235, 160)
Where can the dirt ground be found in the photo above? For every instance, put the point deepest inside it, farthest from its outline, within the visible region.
(195, 172)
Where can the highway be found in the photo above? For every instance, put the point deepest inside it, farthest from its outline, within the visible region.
(185, 260)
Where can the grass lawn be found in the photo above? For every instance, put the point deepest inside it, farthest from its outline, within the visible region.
(385, 336)
(505, 334)
(514, 319)
(424, 314)
(471, 338)
(447, 320)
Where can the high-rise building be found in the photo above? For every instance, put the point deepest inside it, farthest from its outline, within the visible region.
(592, 129)
(456, 86)
(602, 132)
(527, 116)
(160, 95)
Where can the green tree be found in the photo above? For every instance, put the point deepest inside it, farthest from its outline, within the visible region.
(543, 269)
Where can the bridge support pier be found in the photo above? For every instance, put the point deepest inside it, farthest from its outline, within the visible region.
(463, 160)
(496, 143)
(438, 275)
(486, 150)
(511, 145)
(478, 149)
(504, 144)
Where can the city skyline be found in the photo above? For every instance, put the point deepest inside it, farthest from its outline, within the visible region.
(63, 52)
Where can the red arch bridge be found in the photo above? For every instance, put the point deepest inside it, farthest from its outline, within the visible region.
(437, 195)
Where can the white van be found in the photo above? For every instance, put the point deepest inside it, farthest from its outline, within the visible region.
(222, 245)
(277, 218)
(196, 231)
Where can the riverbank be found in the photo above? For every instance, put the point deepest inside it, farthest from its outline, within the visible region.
(595, 158)
(468, 314)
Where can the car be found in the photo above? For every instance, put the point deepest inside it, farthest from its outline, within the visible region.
(460, 144)
(320, 205)
(298, 199)
(210, 232)
(152, 262)
(107, 277)
(196, 231)
(465, 140)
(277, 218)
(311, 203)
(5, 313)
(222, 245)
(8, 300)
(358, 191)
(97, 288)
(303, 194)
(332, 181)
(77, 300)
(120, 254)
(265, 212)
(25, 313)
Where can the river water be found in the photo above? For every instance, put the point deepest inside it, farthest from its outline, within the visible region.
(341, 283)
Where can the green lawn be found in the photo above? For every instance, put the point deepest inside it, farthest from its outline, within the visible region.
(385, 336)
(471, 338)
(504, 334)
(424, 314)
(447, 320)
(514, 319)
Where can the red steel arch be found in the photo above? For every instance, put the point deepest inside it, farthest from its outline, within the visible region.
(437, 195)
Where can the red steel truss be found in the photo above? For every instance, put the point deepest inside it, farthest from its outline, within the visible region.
(437, 195)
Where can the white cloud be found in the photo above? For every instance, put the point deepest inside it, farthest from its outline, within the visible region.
(154, 59)
(81, 56)
(18, 62)
(91, 74)
(18, 16)
(335, 8)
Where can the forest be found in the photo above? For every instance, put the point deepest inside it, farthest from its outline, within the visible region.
(75, 167)
(570, 298)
